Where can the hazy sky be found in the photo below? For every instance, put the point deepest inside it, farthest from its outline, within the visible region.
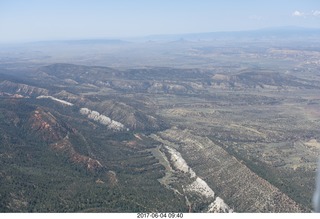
(28, 20)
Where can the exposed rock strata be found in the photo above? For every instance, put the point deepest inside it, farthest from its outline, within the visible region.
(23, 89)
(229, 177)
(102, 119)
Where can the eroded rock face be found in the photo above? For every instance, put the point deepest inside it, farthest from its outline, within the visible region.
(23, 89)
(45, 125)
(48, 128)
(221, 170)
(201, 187)
(85, 111)
(55, 99)
(112, 178)
(65, 146)
(179, 163)
(183, 180)
(102, 119)
(219, 206)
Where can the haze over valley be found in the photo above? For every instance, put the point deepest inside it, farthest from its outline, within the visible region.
(208, 121)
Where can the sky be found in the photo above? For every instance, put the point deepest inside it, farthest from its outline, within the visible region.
(34, 20)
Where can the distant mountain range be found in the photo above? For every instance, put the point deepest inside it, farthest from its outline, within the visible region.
(275, 32)
(279, 33)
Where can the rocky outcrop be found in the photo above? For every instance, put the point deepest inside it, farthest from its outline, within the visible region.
(112, 179)
(102, 119)
(159, 87)
(46, 126)
(182, 180)
(179, 163)
(219, 206)
(55, 99)
(23, 89)
(66, 147)
(232, 179)
(201, 187)
(129, 115)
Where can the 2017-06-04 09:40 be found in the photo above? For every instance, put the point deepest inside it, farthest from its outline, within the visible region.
(160, 215)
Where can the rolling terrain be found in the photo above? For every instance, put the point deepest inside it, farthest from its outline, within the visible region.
(237, 134)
